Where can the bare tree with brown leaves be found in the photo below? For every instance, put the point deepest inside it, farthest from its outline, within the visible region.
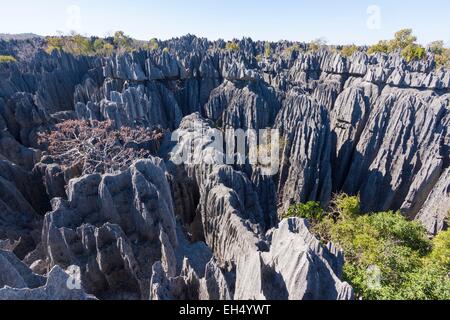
(98, 147)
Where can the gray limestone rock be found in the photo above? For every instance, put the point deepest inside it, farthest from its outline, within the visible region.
(22, 201)
(305, 170)
(15, 274)
(435, 212)
(56, 288)
(401, 151)
(369, 125)
(115, 227)
(297, 267)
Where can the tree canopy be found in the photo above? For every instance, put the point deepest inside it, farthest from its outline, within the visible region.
(385, 244)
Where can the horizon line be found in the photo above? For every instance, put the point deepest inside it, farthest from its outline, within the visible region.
(67, 34)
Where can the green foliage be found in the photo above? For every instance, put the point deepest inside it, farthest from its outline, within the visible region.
(259, 58)
(441, 54)
(440, 255)
(346, 206)
(108, 49)
(310, 210)
(410, 266)
(405, 42)
(316, 45)
(153, 44)
(100, 46)
(294, 48)
(232, 46)
(77, 44)
(7, 59)
(166, 50)
(429, 282)
(54, 43)
(123, 42)
(437, 47)
(394, 226)
(267, 50)
(403, 39)
(413, 52)
(349, 50)
(380, 47)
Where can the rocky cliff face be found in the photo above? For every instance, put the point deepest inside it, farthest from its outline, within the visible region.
(369, 125)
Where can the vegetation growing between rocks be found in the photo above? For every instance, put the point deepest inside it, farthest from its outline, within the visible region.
(387, 257)
(294, 48)
(123, 42)
(413, 52)
(267, 49)
(77, 44)
(310, 210)
(153, 44)
(349, 50)
(103, 47)
(316, 45)
(232, 46)
(7, 59)
(381, 47)
(441, 54)
(405, 42)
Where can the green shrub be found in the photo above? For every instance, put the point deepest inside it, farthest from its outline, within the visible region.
(310, 210)
(437, 47)
(267, 50)
(99, 44)
(166, 50)
(348, 51)
(381, 47)
(108, 49)
(54, 43)
(101, 47)
(316, 45)
(74, 43)
(443, 60)
(346, 206)
(232, 46)
(429, 282)
(153, 44)
(405, 42)
(403, 39)
(394, 226)
(7, 59)
(123, 42)
(413, 52)
(410, 266)
(294, 48)
(441, 54)
(79, 45)
(441, 250)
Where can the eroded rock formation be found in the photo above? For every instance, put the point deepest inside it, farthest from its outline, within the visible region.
(374, 126)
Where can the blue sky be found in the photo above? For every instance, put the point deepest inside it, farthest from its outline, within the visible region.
(340, 22)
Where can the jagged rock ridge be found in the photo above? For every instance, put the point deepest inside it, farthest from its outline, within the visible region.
(369, 125)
